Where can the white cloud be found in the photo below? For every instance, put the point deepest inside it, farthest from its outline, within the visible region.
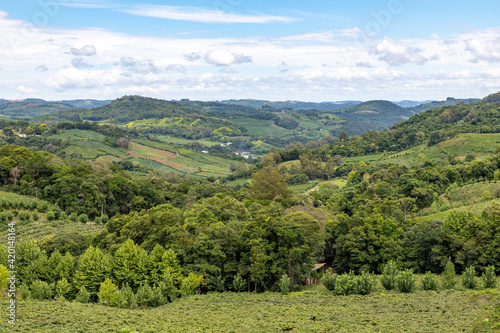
(87, 51)
(486, 50)
(41, 68)
(80, 63)
(225, 58)
(195, 14)
(26, 90)
(178, 68)
(397, 54)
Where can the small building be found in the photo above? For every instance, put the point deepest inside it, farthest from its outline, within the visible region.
(204, 151)
(311, 278)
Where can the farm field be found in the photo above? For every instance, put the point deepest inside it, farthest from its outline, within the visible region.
(313, 310)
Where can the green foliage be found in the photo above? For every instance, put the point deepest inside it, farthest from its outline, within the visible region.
(489, 277)
(389, 275)
(429, 281)
(239, 284)
(51, 216)
(145, 295)
(363, 284)
(448, 278)
(108, 293)
(83, 218)
(41, 290)
(405, 281)
(329, 279)
(4, 275)
(94, 267)
(190, 284)
(344, 284)
(35, 216)
(24, 215)
(83, 296)
(284, 284)
(62, 288)
(469, 279)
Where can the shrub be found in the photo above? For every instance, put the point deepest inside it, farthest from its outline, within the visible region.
(284, 284)
(429, 281)
(329, 279)
(62, 288)
(389, 275)
(24, 215)
(42, 207)
(83, 296)
(218, 283)
(108, 293)
(3, 217)
(448, 279)
(489, 278)
(168, 287)
(127, 297)
(63, 216)
(190, 284)
(157, 298)
(363, 284)
(239, 284)
(83, 218)
(405, 281)
(15, 212)
(51, 216)
(344, 285)
(469, 279)
(73, 217)
(24, 292)
(41, 290)
(10, 216)
(104, 218)
(35, 216)
(144, 295)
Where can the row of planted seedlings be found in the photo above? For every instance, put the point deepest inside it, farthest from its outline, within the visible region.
(405, 281)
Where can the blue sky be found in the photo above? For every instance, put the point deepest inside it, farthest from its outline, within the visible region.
(277, 50)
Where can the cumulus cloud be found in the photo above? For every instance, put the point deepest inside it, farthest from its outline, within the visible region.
(86, 51)
(26, 90)
(397, 54)
(80, 63)
(178, 68)
(225, 58)
(488, 50)
(41, 68)
(144, 66)
(227, 70)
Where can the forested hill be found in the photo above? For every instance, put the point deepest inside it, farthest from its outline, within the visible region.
(122, 111)
(380, 114)
(31, 108)
(430, 127)
(437, 104)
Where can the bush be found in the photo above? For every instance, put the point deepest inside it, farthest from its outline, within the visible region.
(73, 217)
(363, 284)
(144, 295)
(127, 297)
(3, 217)
(35, 216)
(448, 279)
(489, 278)
(104, 218)
(469, 279)
(168, 287)
(24, 215)
(218, 283)
(51, 216)
(62, 288)
(429, 281)
(190, 284)
(344, 285)
(83, 218)
(108, 293)
(42, 207)
(405, 281)
(284, 284)
(389, 275)
(157, 298)
(41, 290)
(329, 279)
(239, 284)
(83, 296)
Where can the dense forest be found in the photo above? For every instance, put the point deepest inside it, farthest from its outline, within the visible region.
(151, 232)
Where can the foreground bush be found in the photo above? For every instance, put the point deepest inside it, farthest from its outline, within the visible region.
(489, 278)
(429, 281)
(389, 275)
(469, 279)
(363, 284)
(328, 280)
(405, 281)
(448, 279)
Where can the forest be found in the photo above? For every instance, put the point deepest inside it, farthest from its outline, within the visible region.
(413, 198)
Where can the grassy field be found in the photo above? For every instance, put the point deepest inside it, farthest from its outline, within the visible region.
(313, 310)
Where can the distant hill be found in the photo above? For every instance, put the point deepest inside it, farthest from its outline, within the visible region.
(122, 111)
(86, 103)
(30, 108)
(294, 105)
(437, 104)
(410, 104)
(493, 98)
(379, 114)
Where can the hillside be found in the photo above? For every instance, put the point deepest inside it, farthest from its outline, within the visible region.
(30, 108)
(86, 103)
(437, 104)
(294, 105)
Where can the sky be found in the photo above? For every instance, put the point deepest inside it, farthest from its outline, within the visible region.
(233, 49)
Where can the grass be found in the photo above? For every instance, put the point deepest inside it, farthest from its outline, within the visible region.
(180, 141)
(312, 310)
(77, 134)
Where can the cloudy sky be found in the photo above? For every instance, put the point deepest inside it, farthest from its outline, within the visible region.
(265, 49)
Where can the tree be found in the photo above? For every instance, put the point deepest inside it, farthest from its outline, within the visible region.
(93, 268)
(343, 136)
(268, 184)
